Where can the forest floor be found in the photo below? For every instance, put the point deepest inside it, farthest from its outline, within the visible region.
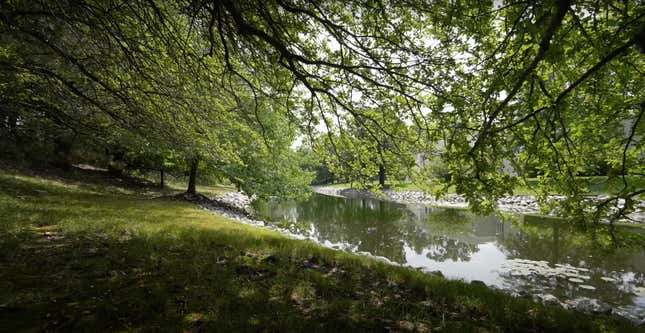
(105, 256)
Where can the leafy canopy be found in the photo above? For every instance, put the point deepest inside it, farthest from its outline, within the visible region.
(550, 87)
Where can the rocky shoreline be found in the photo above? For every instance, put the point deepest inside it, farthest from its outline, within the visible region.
(515, 204)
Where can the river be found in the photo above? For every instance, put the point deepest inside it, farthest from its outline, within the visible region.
(528, 256)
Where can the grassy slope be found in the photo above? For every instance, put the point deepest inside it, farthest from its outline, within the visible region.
(207, 190)
(86, 258)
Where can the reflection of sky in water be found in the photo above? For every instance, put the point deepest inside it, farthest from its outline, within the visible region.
(639, 301)
(469, 247)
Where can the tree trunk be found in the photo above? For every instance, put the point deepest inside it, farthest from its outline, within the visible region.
(12, 120)
(117, 164)
(193, 175)
(62, 152)
(161, 177)
(381, 175)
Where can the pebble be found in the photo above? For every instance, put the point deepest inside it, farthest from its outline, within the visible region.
(639, 291)
(587, 287)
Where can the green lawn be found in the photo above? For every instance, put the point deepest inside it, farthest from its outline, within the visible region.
(77, 257)
(207, 190)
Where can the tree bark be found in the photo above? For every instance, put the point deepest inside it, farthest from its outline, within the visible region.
(12, 120)
(116, 165)
(381, 175)
(62, 152)
(193, 176)
(162, 183)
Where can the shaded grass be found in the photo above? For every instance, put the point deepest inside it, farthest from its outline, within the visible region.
(207, 190)
(76, 258)
(100, 181)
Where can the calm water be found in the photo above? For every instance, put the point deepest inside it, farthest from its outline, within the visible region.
(531, 255)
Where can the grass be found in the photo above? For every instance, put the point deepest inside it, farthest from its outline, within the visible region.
(207, 190)
(78, 257)
(97, 180)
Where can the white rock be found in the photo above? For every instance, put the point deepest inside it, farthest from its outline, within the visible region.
(587, 287)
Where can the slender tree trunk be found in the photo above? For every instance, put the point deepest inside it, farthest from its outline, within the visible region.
(161, 177)
(62, 150)
(193, 175)
(381, 167)
(381, 175)
(12, 120)
(117, 163)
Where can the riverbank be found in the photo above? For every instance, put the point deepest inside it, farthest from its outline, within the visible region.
(515, 204)
(79, 258)
(453, 231)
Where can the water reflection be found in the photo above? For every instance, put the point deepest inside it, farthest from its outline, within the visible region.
(519, 257)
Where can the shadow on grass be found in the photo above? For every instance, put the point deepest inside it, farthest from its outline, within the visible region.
(79, 261)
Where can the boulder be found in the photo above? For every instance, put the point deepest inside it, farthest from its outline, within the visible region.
(589, 305)
(477, 283)
(547, 299)
(436, 273)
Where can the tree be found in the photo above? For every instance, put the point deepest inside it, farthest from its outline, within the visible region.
(523, 82)
(367, 151)
(310, 161)
(127, 80)
(491, 81)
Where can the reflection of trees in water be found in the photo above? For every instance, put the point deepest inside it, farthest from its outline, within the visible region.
(561, 242)
(384, 228)
(443, 248)
(564, 243)
(450, 219)
(369, 224)
(374, 226)
(381, 228)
